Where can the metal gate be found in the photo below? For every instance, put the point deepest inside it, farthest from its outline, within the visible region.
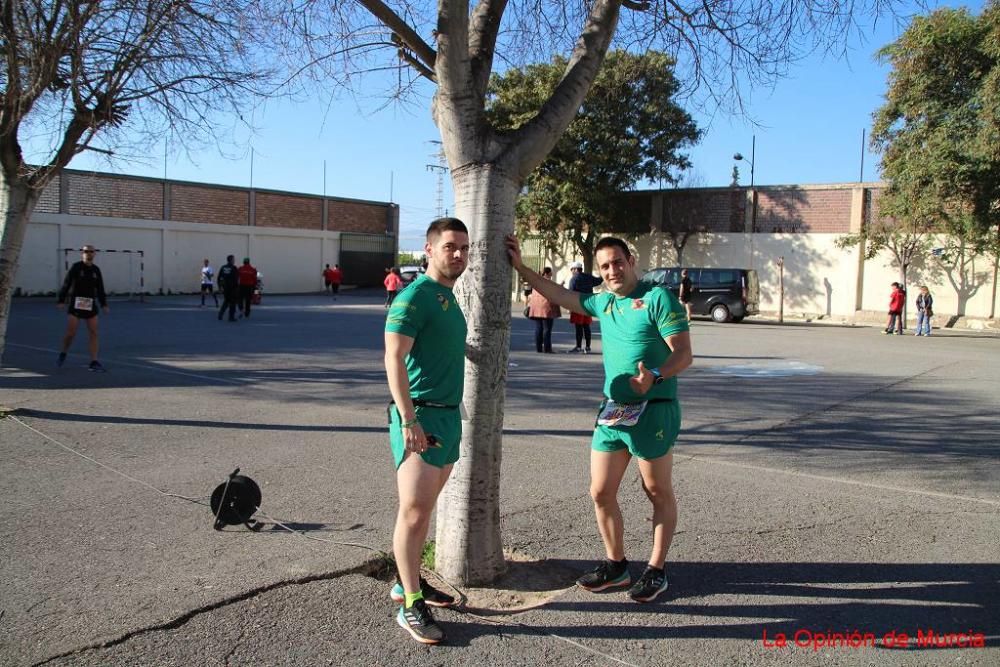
(365, 257)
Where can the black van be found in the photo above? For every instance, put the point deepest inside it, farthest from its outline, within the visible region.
(722, 294)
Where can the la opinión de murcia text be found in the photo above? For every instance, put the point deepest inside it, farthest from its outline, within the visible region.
(854, 639)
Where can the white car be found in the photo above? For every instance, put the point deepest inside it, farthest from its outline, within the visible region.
(410, 273)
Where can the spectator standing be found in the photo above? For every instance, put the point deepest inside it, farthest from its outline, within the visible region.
(84, 289)
(685, 293)
(336, 277)
(896, 300)
(327, 272)
(925, 309)
(207, 280)
(544, 313)
(583, 283)
(229, 286)
(393, 281)
(247, 283)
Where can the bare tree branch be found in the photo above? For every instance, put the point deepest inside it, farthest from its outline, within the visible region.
(399, 27)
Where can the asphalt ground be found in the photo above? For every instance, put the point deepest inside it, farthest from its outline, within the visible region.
(830, 480)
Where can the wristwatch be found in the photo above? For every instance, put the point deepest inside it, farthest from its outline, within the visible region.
(657, 378)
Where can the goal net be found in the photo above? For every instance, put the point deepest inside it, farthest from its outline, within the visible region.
(121, 269)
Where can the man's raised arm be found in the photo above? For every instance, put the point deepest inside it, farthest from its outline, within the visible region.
(550, 289)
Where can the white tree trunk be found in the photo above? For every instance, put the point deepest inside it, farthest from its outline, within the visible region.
(17, 201)
(469, 550)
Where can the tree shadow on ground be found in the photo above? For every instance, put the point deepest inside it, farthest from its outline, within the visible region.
(192, 423)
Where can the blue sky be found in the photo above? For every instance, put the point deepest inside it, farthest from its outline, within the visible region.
(808, 130)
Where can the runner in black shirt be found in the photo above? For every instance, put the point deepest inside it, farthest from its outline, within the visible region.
(228, 284)
(84, 290)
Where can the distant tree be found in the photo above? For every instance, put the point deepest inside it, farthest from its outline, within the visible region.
(409, 259)
(939, 135)
(904, 239)
(629, 130)
(78, 72)
(683, 214)
(683, 217)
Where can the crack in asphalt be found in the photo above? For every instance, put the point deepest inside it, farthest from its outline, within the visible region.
(236, 645)
(370, 568)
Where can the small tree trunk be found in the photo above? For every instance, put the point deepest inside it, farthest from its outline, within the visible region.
(17, 201)
(587, 250)
(469, 550)
(993, 296)
(996, 267)
(906, 297)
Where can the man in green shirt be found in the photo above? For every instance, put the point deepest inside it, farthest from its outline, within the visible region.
(425, 364)
(646, 343)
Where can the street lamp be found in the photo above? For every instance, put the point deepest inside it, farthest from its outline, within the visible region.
(753, 192)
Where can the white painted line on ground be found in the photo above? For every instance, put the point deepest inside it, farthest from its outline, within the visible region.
(841, 480)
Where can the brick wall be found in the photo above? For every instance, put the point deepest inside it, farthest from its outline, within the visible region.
(704, 209)
(717, 210)
(780, 208)
(349, 216)
(49, 201)
(297, 212)
(221, 206)
(113, 196)
(791, 209)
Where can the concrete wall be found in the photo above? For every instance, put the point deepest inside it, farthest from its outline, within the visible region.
(290, 259)
(822, 279)
(288, 236)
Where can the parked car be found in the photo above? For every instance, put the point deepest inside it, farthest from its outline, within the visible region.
(723, 294)
(410, 273)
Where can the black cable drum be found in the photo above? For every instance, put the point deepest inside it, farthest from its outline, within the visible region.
(235, 501)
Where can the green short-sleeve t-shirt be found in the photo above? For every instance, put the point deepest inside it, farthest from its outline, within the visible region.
(427, 312)
(633, 329)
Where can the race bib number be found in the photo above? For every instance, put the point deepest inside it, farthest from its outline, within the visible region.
(620, 414)
(83, 303)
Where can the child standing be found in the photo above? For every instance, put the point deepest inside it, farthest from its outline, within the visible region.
(925, 310)
(896, 300)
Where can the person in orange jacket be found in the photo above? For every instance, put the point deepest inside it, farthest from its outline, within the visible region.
(896, 300)
(393, 281)
(247, 281)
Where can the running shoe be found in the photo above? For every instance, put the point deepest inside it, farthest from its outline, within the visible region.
(608, 574)
(432, 596)
(96, 366)
(652, 582)
(420, 623)
(62, 359)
